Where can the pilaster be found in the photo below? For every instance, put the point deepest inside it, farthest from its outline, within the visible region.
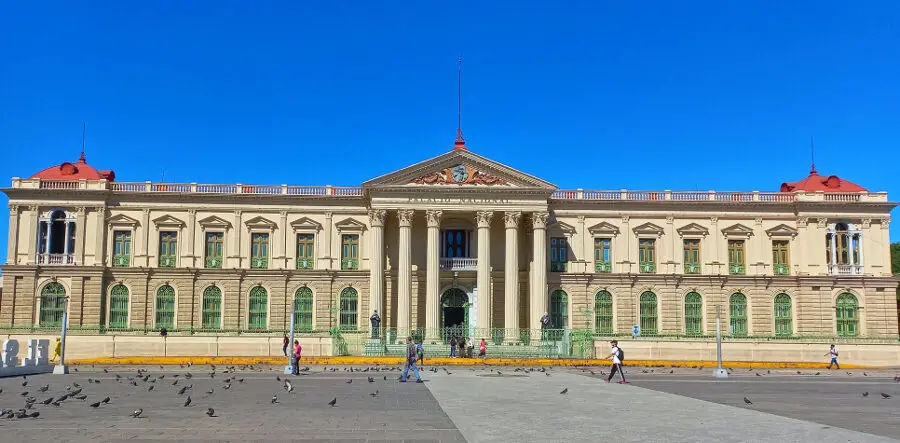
(404, 273)
(511, 275)
(432, 302)
(376, 262)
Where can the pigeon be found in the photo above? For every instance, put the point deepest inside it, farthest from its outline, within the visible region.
(240, 380)
(188, 375)
(150, 388)
(564, 391)
(47, 401)
(349, 381)
(76, 385)
(334, 402)
(277, 378)
(44, 388)
(95, 405)
(865, 375)
(210, 391)
(25, 394)
(865, 394)
(81, 397)
(34, 414)
(137, 413)
(274, 399)
(385, 377)
(174, 382)
(883, 395)
(24, 383)
(105, 371)
(371, 379)
(226, 387)
(211, 412)
(187, 402)
(105, 400)
(374, 394)
(181, 391)
(747, 401)
(288, 386)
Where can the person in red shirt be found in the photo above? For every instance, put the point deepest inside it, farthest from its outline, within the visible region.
(482, 349)
(297, 352)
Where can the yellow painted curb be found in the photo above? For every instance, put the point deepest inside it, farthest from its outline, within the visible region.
(443, 361)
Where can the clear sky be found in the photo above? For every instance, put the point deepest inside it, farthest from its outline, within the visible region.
(596, 95)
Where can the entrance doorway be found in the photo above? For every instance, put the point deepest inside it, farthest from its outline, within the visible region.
(454, 314)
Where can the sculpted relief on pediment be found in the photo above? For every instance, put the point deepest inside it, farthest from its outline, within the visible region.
(460, 175)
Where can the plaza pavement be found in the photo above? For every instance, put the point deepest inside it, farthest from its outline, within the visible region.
(459, 404)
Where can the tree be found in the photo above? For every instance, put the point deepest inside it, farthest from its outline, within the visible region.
(895, 258)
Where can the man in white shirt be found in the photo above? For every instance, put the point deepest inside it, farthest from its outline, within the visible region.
(616, 363)
(834, 355)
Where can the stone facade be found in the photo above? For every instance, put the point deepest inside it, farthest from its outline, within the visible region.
(457, 223)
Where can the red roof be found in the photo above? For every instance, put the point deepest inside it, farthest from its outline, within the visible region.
(816, 182)
(75, 171)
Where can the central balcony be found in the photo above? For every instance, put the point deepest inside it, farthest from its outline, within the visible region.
(56, 259)
(459, 264)
(845, 270)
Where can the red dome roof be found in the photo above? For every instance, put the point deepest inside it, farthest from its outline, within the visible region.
(816, 182)
(75, 171)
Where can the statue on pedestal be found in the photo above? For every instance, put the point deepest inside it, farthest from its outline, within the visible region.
(375, 319)
(546, 323)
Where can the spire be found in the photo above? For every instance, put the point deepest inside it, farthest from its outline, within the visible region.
(812, 153)
(460, 143)
(81, 158)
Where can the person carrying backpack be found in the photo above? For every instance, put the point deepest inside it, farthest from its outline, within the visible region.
(617, 355)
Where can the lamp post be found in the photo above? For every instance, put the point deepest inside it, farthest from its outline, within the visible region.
(719, 372)
(61, 368)
(289, 369)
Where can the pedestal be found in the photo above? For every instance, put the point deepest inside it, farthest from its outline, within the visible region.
(60, 369)
(720, 373)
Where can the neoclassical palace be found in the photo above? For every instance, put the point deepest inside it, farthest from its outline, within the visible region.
(454, 241)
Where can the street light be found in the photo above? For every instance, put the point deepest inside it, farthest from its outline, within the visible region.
(61, 368)
(720, 372)
(289, 369)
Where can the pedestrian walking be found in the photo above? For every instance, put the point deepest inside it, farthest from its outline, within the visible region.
(57, 349)
(453, 345)
(834, 355)
(410, 361)
(285, 342)
(420, 353)
(616, 356)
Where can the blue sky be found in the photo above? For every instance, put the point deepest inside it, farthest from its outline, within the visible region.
(597, 95)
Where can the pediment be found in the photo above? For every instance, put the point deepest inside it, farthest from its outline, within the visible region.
(563, 227)
(168, 220)
(350, 224)
(737, 230)
(306, 223)
(692, 229)
(604, 228)
(121, 220)
(260, 222)
(648, 229)
(781, 230)
(459, 168)
(214, 221)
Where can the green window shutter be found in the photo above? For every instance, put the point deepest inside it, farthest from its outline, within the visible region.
(603, 313)
(303, 309)
(53, 304)
(846, 315)
(784, 326)
(259, 299)
(737, 314)
(165, 307)
(118, 307)
(693, 314)
(649, 314)
(348, 316)
(211, 317)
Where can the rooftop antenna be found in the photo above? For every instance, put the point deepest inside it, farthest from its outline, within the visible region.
(460, 140)
(83, 129)
(163, 179)
(812, 153)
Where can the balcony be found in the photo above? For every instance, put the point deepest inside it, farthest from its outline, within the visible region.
(213, 262)
(692, 268)
(782, 269)
(845, 270)
(559, 266)
(459, 264)
(56, 259)
(737, 269)
(167, 261)
(259, 263)
(603, 266)
(304, 263)
(349, 264)
(647, 268)
(121, 261)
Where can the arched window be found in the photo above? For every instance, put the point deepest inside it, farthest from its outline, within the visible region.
(212, 308)
(847, 318)
(603, 313)
(349, 317)
(56, 238)
(118, 307)
(737, 314)
(53, 304)
(559, 309)
(649, 315)
(259, 303)
(784, 325)
(303, 309)
(165, 307)
(693, 314)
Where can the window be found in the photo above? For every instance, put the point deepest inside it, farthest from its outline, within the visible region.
(559, 309)
(214, 249)
(118, 307)
(305, 250)
(691, 256)
(603, 313)
(842, 246)
(121, 248)
(56, 239)
(737, 314)
(303, 309)
(602, 255)
(349, 318)
(350, 252)
(212, 308)
(53, 304)
(168, 249)
(258, 308)
(648, 314)
(780, 263)
(165, 307)
(693, 314)
(647, 255)
(847, 309)
(736, 257)
(455, 244)
(783, 316)
(559, 254)
(259, 250)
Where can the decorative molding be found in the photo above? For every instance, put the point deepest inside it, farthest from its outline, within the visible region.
(565, 228)
(885, 223)
(758, 220)
(283, 214)
(714, 220)
(821, 222)
(670, 219)
(604, 228)
(581, 218)
(13, 209)
(433, 217)
(260, 223)
(473, 176)
(692, 230)
(648, 229)
(146, 212)
(405, 217)
(802, 222)
(512, 219)
(101, 210)
(214, 221)
(484, 218)
(81, 210)
(192, 212)
(626, 219)
(350, 224)
(238, 212)
(168, 221)
(122, 220)
(737, 230)
(329, 214)
(781, 230)
(376, 217)
(34, 208)
(539, 220)
(866, 223)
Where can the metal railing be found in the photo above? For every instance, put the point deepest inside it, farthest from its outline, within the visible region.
(349, 264)
(845, 269)
(167, 261)
(259, 263)
(603, 266)
(212, 262)
(121, 260)
(458, 264)
(692, 268)
(305, 263)
(56, 259)
(781, 269)
(737, 269)
(647, 267)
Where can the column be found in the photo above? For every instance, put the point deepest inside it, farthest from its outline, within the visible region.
(538, 303)
(376, 262)
(483, 276)
(12, 254)
(236, 244)
(35, 230)
(404, 274)
(100, 236)
(511, 276)
(432, 302)
(80, 225)
(191, 240)
(145, 238)
(66, 242)
(833, 251)
(326, 243)
(281, 242)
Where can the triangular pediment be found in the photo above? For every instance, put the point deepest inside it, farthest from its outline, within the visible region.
(122, 220)
(692, 229)
(459, 168)
(168, 220)
(260, 222)
(214, 221)
(604, 228)
(350, 224)
(562, 227)
(737, 230)
(306, 223)
(781, 230)
(648, 229)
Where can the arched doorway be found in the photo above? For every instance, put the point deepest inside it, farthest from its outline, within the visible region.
(454, 314)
